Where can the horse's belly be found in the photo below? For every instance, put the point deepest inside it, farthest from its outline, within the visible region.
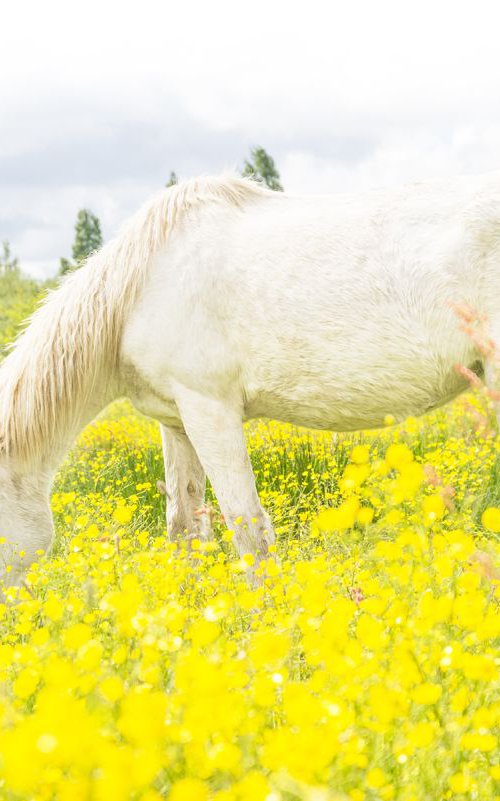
(350, 406)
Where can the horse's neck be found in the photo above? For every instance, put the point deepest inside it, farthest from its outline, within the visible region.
(86, 411)
(42, 464)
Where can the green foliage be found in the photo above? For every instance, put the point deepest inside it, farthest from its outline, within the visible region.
(88, 238)
(65, 266)
(18, 298)
(8, 264)
(173, 180)
(262, 167)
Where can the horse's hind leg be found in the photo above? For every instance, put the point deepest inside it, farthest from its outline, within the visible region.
(216, 432)
(184, 483)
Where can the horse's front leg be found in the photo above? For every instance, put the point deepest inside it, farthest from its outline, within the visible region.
(215, 430)
(185, 484)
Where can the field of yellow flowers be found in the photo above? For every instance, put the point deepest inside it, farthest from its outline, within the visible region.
(363, 665)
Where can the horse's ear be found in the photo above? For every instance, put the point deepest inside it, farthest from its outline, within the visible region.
(161, 487)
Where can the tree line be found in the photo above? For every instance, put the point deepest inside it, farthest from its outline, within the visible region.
(88, 237)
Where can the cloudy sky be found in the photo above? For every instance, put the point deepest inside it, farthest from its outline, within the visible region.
(100, 100)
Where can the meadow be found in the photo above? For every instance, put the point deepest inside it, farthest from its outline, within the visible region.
(363, 665)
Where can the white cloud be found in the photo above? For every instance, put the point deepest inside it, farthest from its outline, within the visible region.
(98, 107)
(398, 158)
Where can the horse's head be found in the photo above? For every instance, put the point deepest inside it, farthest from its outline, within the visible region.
(26, 525)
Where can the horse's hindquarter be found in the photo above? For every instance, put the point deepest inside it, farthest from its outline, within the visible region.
(352, 320)
(321, 311)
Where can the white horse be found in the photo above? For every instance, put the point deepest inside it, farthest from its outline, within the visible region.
(222, 301)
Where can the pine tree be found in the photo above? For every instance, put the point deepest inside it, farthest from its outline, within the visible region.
(65, 266)
(88, 238)
(173, 180)
(262, 167)
(8, 264)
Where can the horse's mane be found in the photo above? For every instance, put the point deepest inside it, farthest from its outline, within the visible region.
(57, 360)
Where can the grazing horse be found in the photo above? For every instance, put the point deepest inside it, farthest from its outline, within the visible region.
(222, 301)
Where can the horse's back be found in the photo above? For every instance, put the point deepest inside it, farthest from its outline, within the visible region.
(329, 311)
